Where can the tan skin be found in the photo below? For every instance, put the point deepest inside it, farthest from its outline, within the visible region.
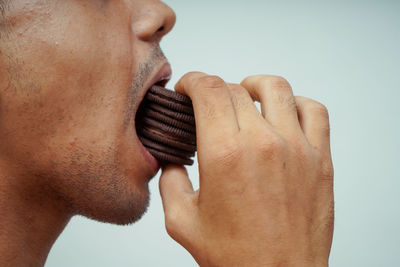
(72, 75)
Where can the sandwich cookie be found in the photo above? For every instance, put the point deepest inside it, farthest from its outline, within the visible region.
(166, 126)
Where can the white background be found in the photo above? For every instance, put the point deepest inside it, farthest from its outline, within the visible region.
(342, 53)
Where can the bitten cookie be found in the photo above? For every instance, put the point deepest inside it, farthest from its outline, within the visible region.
(166, 126)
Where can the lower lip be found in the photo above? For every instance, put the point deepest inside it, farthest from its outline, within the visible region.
(153, 163)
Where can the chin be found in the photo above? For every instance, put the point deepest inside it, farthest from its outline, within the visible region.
(98, 186)
(124, 216)
(122, 209)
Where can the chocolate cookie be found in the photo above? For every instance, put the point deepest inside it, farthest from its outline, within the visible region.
(166, 126)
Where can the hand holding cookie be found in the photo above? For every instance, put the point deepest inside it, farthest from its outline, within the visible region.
(266, 179)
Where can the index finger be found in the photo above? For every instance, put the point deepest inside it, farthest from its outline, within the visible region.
(213, 108)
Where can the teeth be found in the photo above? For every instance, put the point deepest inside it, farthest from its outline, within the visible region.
(166, 77)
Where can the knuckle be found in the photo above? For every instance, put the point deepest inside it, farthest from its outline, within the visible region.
(269, 81)
(172, 223)
(277, 83)
(238, 96)
(248, 79)
(280, 89)
(326, 130)
(229, 152)
(318, 109)
(190, 76)
(287, 100)
(237, 89)
(280, 82)
(271, 146)
(211, 82)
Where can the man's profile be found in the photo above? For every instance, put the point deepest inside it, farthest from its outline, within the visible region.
(72, 77)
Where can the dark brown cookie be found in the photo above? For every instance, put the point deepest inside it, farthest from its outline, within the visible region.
(167, 158)
(166, 149)
(169, 104)
(162, 138)
(158, 116)
(166, 126)
(184, 136)
(189, 119)
(171, 95)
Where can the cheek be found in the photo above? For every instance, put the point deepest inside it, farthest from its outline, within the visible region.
(67, 93)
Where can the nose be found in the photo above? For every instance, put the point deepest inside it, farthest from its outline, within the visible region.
(155, 21)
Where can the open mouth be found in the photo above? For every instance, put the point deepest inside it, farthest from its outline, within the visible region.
(163, 82)
(139, 124)
(139, 113)
(165, 125)
(160, 79)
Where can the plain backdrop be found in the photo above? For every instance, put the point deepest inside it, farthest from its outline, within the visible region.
(344, 54)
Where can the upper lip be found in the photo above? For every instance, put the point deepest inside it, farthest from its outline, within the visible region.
(163, 75)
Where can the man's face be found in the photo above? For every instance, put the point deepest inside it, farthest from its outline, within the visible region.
(72, 75)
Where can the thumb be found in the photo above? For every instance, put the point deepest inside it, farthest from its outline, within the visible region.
(175, 187)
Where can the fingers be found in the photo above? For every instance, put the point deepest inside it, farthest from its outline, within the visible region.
(175, 187)
(246, 112)
(178, 198)
(278, 104)
(314, 121)
(212, 104)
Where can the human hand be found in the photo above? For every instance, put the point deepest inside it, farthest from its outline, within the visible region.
(266, 179)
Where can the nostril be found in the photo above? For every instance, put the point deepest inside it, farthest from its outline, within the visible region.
(161, 29)
(153, 24)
